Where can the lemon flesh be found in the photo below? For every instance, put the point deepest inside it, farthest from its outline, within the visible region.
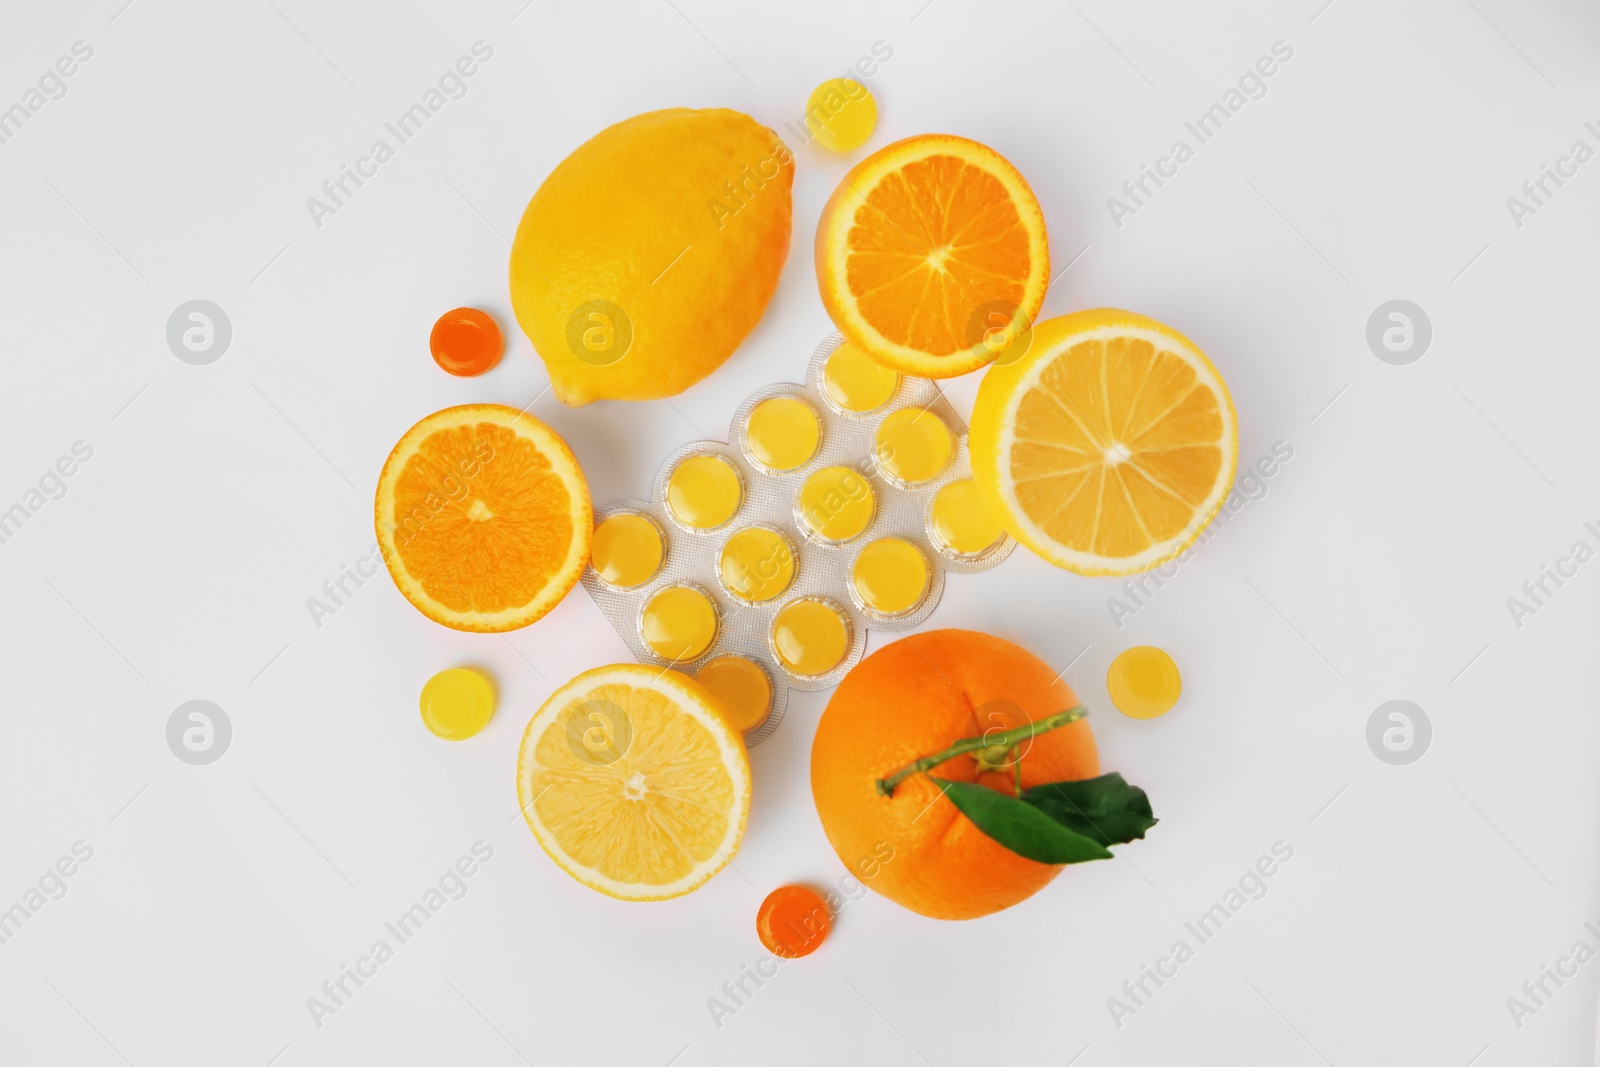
(633, 782)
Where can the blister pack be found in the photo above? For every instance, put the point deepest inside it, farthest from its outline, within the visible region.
(758, 566)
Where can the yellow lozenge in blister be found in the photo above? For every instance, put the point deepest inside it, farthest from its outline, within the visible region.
(756, 564)
(889, 577)
(704, 492)
(782, 433)
(855, 382)
(810, 636)
(914, 446)
(678, 623)
(836, 504)
(959, 522)
(627, 550)
(742, 686)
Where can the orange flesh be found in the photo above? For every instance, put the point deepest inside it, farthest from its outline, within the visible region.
(494, 520)
(1114, 469)
(935, 241)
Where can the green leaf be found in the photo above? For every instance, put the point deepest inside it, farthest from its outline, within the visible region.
(1105, 809)
(1023, 828)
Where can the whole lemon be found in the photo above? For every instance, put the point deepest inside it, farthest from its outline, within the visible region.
(651, 251)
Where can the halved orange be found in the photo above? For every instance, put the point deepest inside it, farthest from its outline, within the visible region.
(931, 255)
(1108, 446)
(483, 517)
(633, 782)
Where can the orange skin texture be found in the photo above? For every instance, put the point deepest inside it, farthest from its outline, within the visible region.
(916, 697)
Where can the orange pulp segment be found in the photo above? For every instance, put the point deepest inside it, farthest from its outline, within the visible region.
(483, 517)
(925, 248)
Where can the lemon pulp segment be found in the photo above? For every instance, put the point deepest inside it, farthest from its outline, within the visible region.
(633, 782)
(1106, 447)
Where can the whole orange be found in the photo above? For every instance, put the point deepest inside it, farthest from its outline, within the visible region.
(914, 698)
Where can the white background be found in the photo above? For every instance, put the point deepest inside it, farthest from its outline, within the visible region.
(220, 498)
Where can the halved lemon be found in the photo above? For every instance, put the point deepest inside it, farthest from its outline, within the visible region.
(931, 255)
(483, 517)
(1108, 446)
(633, 782)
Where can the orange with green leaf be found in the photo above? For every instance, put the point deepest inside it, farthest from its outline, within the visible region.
(970, 758)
